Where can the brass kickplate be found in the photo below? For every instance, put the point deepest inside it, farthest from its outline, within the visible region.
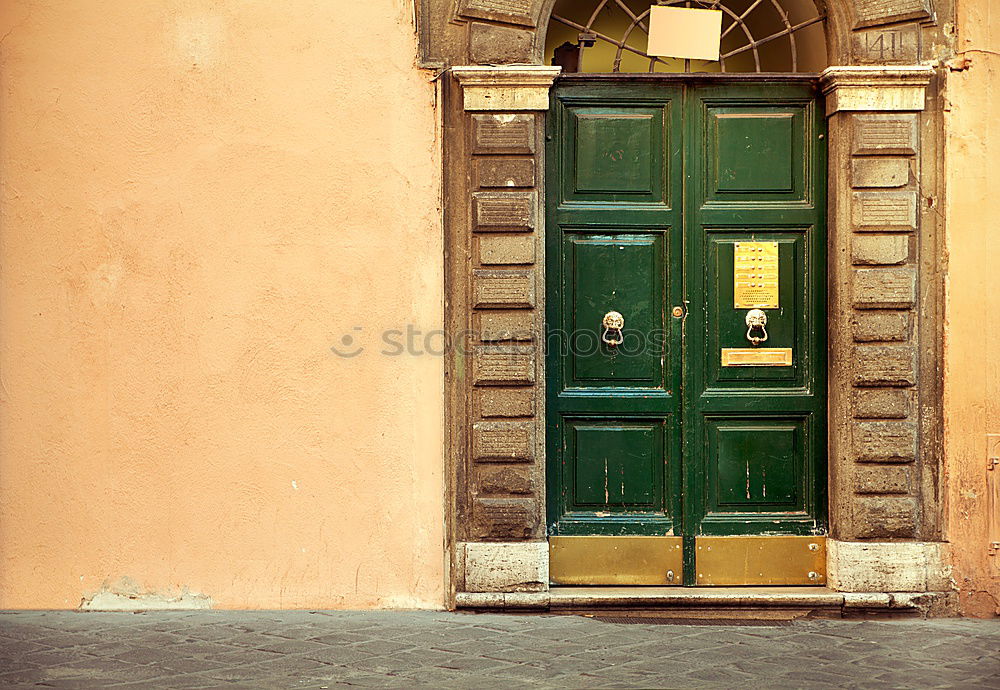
(631, 560)
(771, 560)
(756, 356)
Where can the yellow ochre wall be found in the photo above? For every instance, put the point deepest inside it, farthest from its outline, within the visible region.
(972, 326)
(199, 200)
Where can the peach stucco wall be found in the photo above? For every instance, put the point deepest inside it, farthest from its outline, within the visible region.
(972, 331)
(199, 200)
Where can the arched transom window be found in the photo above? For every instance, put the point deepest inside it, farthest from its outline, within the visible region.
(757, 36)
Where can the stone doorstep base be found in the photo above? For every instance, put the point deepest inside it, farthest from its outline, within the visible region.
(775, 603)
(866, 578)
(514, 569)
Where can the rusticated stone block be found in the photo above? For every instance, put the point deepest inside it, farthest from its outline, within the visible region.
(503, 288)
(880, 249)
(882, 479)
(885, 441)
(882, 403)
(887, 566)
(876, 12)
(884, 211)
(506, 402)
(506, 249)
(505, 172)
(503, 133)
(494, 365)
(502, 211)
(503, 441)
(880, 172)
(508, 11)
(499, 567)
(884, 133)
(885, 288)
(885, 517)
(498, 481)
(504, 518)
(885, 365)
(505, 325)
(499, 45)
(877, 326)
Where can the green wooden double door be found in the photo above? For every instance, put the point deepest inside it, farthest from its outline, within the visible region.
(683, 206)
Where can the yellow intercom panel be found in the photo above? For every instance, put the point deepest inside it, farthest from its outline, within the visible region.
(755, 275)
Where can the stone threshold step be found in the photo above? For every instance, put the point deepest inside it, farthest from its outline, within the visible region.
(632, 597)
(714, 602)
(728, 603)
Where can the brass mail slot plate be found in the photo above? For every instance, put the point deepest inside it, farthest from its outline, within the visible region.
(631, 560)
(756, 356)
(755, 275)
(773, 560)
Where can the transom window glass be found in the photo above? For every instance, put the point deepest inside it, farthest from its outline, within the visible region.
(757, 36)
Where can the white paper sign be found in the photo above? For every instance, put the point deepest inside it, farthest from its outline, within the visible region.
(681, 32)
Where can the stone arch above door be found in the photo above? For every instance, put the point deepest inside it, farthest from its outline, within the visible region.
(454, 32)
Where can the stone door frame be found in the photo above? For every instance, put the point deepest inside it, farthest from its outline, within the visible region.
(884, 297)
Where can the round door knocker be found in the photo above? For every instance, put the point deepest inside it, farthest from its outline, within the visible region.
(613, 323)
(756, 318)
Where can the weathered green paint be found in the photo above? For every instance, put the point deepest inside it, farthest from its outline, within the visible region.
(650, 184)
(613, 272)
(616, 188)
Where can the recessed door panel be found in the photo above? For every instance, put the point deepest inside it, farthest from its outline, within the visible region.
(613, 152)
(615, 476)
(616, 466)
(756, 151)
(624, 273)
(787, 325)
(755, 465)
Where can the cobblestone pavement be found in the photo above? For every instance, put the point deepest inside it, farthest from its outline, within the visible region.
(291, 649)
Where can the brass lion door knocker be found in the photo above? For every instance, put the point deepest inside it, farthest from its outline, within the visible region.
(756, 318)
(613, 323)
